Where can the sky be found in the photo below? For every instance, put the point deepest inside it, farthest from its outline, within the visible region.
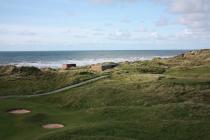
(36, 25)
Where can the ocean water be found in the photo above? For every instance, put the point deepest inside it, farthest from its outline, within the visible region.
(55, 59)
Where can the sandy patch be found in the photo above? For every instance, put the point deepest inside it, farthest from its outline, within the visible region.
(52, 126)
(19, 111)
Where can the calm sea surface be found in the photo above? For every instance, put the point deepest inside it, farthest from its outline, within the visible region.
(55, 59)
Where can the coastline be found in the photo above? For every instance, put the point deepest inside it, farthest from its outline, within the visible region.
(59, 65)
(81, 58)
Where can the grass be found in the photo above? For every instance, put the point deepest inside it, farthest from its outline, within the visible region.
(28, 80)
(189, 71)
(129, 105)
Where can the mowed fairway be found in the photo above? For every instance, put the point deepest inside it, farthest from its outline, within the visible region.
(129, 105)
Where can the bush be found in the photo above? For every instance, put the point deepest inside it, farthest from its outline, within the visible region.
(151, 69)
(85, 73)
(5, 70)
(29, 70)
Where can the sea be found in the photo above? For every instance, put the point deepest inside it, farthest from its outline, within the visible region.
(55, 59)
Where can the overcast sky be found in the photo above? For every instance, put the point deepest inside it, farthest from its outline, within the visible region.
(104, 24)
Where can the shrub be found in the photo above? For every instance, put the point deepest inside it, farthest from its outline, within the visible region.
(151, 69)
(28, 70)
(6, 70)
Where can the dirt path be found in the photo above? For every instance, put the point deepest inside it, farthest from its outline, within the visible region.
(55, 91)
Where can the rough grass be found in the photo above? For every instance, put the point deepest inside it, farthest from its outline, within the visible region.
(129, 105)
(122, 107)
(30, 80)
(152, 67)
(189, 71)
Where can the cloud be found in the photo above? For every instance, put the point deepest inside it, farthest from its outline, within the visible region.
(190, 6)
(162, 21)
(154, 35)
(22, 34)
(185, 34)
(126, 20)
(142, 28)
(193, 14)
(41, 35)
(80, 36)
(27, 33)
(119, 35)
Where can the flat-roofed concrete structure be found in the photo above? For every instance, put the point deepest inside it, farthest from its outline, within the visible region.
(68, 66)
(102, 67)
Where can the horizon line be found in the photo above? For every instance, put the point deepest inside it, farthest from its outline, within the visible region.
(98, 50)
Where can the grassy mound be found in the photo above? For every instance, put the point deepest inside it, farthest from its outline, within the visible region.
(152, 67)
(31, 80)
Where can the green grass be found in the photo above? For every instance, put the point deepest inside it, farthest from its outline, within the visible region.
(28, 82)
(153, 66)
(189, 71)
(112, 109)
(128, 105)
